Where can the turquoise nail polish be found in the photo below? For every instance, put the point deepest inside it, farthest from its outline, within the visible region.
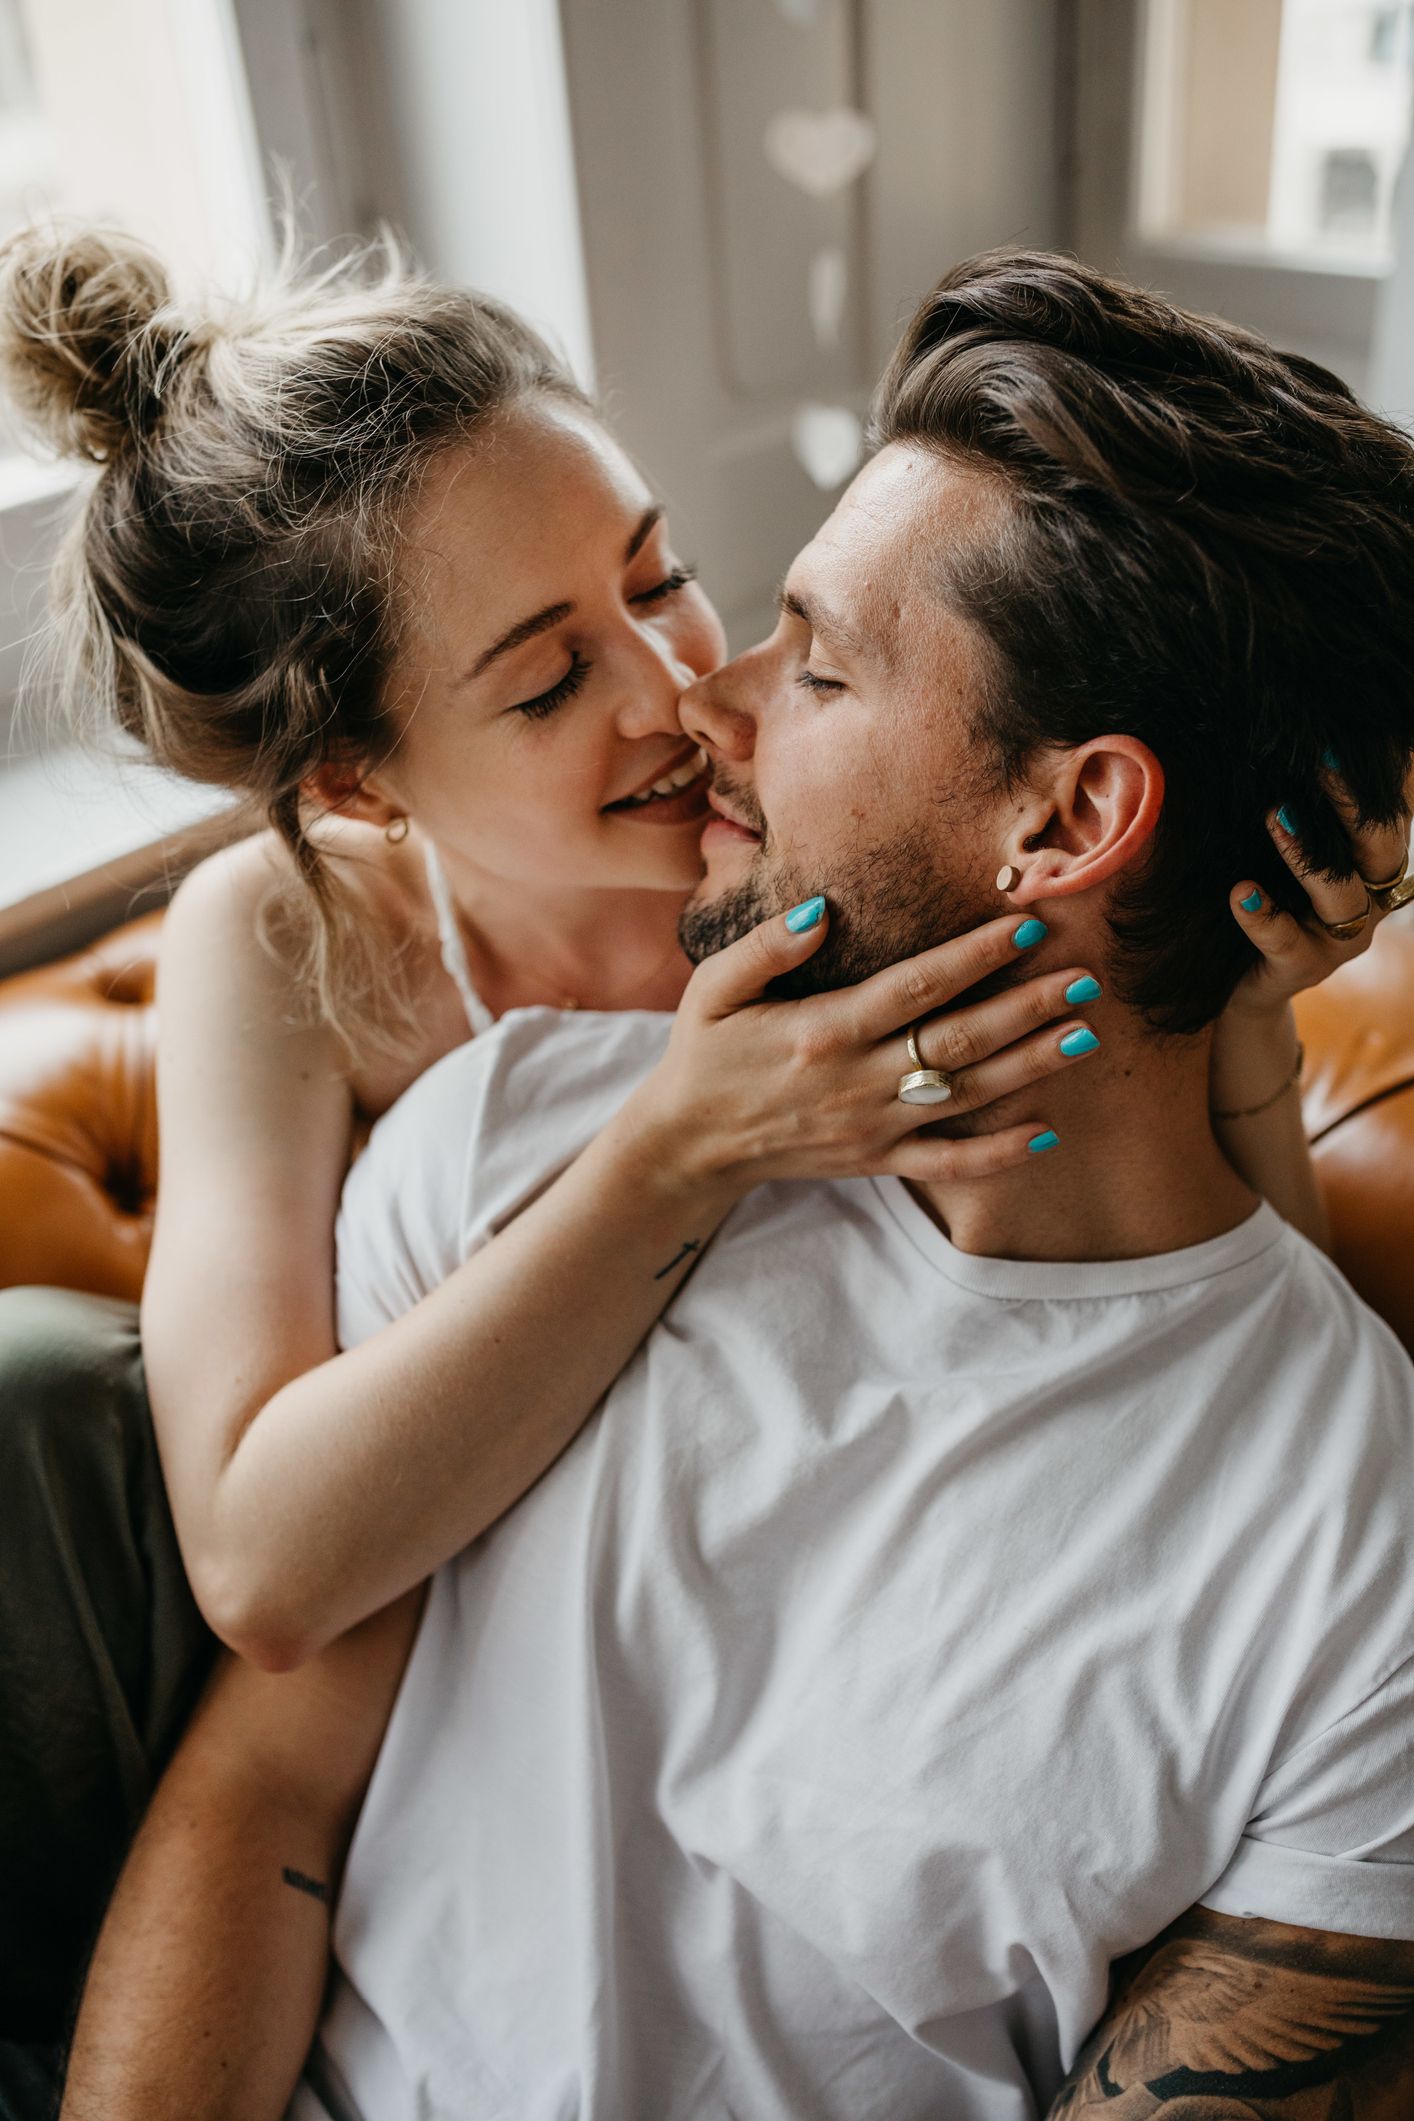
(805, 915)
(1252, 903)
(1030, 933)
(1077, 1042)
(1039, 1143)
(1330, 762)
(1287, 820)
(1083, 990)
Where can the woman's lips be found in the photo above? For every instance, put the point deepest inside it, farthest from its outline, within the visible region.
(687, 807)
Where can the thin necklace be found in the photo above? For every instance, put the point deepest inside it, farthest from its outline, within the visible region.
(569, 1002)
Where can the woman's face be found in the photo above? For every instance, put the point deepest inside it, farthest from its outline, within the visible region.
(551, 629)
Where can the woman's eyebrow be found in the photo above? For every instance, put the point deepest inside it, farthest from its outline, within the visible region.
(516, 636)
(541, 621)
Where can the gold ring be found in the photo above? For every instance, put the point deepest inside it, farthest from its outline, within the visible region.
(1385, 894)
(1389, 882)
(1399, 895)
(923, 1085)
(1346, 931)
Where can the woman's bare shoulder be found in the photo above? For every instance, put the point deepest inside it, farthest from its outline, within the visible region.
(251, 874)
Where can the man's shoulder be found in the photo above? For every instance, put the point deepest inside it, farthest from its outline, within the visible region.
(539, 1079)
(484, 1128)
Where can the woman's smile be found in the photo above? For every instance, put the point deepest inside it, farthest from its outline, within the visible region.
(677, 797)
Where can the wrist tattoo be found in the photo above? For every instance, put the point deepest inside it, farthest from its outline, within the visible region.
(302, 1883)
(694, 1244)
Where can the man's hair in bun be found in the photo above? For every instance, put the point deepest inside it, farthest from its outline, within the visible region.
(229, 593)
(87, 334)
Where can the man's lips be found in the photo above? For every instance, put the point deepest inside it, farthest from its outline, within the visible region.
(724, 826)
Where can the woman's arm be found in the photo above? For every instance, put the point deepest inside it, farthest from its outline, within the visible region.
(1255, 1090)
(311, 1488)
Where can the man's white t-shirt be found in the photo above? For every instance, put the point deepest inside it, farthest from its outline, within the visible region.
(908, 1635)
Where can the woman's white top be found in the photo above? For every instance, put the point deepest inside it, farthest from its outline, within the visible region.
(449, 938)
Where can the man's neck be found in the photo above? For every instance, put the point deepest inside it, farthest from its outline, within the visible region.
(1137, 1172)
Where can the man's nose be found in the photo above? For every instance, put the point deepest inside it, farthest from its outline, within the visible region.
(714, 711)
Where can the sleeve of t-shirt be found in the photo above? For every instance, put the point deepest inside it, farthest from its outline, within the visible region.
(1331, 1843)
(473, 1141)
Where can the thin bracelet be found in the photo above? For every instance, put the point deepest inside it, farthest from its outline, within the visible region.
(1251, 1111)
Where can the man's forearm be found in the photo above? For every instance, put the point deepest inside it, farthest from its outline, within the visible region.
(1228, 2020)
(205, 1992)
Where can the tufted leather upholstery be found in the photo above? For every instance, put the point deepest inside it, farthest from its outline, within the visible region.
(78, 1126)
(78, 1116)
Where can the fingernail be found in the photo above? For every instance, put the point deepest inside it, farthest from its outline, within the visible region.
(1252, 903)
(1029, 933)
(1286, 819)
(1330, 762)
(1083, 990)
(1040, 1143)
(1077, 1042)
(805, 915)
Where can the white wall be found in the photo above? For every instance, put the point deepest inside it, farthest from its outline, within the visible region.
(475, 98)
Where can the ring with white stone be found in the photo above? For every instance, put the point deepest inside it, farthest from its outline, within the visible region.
(922, 1085)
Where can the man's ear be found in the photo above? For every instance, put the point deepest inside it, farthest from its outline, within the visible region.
(346, 792)
(1091, 819)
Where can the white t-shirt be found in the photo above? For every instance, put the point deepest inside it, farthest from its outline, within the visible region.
(908, 1635)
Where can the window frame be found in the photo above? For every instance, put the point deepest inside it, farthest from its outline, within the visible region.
(1321, 306)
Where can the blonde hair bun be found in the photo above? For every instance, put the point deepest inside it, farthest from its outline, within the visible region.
(86, 330)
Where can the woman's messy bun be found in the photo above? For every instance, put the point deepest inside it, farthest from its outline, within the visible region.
(87, 331)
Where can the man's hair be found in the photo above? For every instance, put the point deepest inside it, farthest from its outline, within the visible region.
(1208, 545)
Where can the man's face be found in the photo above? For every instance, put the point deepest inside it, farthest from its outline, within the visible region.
(843, 748)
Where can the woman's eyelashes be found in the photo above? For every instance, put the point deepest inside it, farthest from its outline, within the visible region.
(546, 702)
(675, 579)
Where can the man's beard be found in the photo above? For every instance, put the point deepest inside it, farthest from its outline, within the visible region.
(889, 902)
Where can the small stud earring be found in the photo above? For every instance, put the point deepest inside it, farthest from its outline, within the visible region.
(397, 830)
(1008, 878)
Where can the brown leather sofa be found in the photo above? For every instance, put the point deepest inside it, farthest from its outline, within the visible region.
(78, 1122)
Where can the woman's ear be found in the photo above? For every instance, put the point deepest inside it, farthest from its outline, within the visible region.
(346, 792)
(1093, 820)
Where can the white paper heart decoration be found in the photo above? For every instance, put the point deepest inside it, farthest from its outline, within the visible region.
(828, 442)
(821, 150)
(829, 289)
(804, 14)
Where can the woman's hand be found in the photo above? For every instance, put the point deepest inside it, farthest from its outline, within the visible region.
(1296, 954)
(752, 1089)
(1256, 1058)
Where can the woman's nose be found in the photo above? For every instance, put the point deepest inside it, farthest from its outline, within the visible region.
(653, 686)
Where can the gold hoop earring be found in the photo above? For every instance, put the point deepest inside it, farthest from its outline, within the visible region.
(396, 831)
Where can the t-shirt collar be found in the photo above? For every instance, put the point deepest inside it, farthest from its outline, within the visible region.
(1051, 1279)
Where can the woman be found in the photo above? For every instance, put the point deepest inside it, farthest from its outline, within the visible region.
(364, 554)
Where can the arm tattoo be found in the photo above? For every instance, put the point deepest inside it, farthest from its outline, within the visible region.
(1222, 2019)
(694, 1244)
(302, 1883)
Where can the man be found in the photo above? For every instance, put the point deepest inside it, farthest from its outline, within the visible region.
(967, 1667)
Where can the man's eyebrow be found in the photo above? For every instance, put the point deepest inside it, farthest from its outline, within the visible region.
(826, 623)
(541, 621)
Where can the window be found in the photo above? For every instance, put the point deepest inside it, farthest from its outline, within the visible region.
(1273, 127)
(134, 113)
